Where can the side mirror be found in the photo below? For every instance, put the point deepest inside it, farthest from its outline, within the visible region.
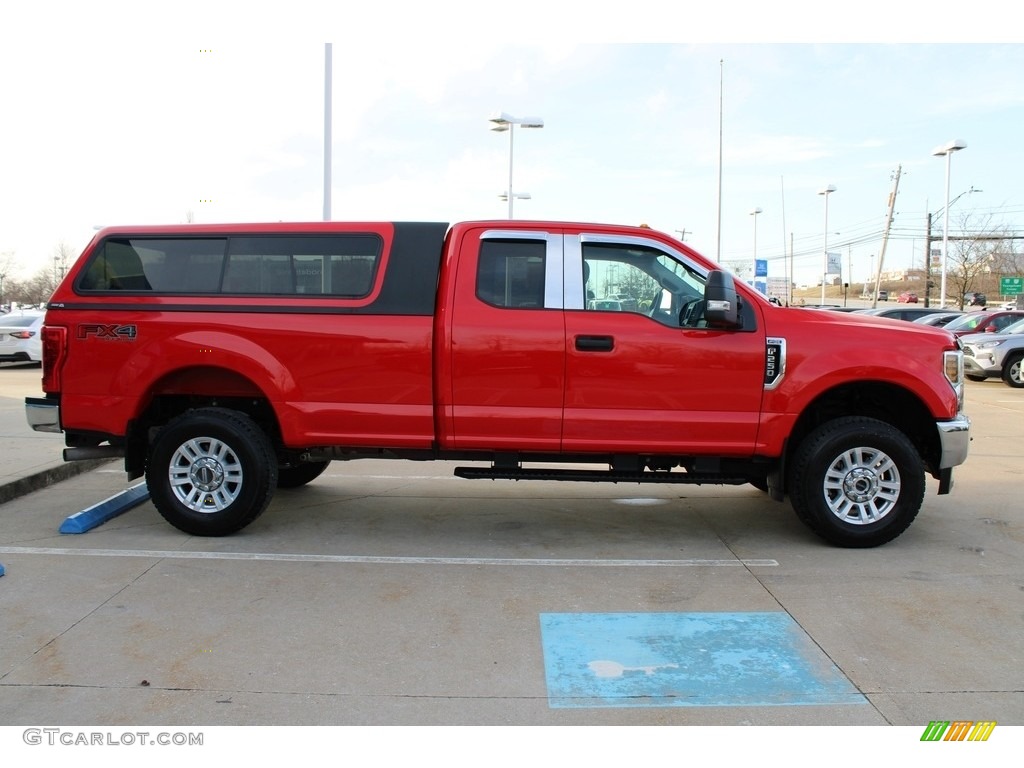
(722, 305)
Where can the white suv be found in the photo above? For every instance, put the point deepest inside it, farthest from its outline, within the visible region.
(996, 355)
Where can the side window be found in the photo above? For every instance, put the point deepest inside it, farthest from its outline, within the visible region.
(190, 265)
(335, 265)
(510, 273)
(642, 280)
(614, 285)
(343, 265)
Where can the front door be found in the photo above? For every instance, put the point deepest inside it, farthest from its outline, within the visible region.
(644, 373)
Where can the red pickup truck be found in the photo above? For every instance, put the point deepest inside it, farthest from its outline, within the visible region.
(223, 361)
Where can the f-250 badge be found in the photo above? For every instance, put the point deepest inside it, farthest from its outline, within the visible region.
(107, 332)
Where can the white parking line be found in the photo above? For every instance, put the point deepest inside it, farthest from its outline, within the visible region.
(374, 560)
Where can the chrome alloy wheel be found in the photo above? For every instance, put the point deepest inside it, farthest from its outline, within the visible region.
(861, 486)
(205, 474)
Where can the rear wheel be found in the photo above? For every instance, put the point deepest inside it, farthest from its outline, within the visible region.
(211, 472)
(1013, 370)
(857, 482)
(975, 377)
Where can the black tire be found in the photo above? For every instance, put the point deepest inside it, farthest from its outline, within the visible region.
(211, 472)
(296, 475)
(975, 377)
(1013, 370)
(857, 482)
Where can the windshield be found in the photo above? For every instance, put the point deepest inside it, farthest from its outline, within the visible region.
(966, 323)
(1016, 327)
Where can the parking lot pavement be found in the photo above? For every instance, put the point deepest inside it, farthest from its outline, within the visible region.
(31, 460)
(393, 593)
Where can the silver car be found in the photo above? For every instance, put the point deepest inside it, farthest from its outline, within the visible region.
(996, 355)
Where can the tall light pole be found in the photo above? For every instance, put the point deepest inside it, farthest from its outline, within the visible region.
(930, 220)
(946, 149)
(328, 88)
(754, 214)
(826, 191)
(506, 122)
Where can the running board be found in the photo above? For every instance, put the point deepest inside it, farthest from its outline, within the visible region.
(598, 476)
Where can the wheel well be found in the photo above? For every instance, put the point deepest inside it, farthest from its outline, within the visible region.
(877, 400)
(192, 388)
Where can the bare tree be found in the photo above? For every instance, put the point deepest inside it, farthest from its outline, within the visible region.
(974, 257)
(6, 273)
(63, 256)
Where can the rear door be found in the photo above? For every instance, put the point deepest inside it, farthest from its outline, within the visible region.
(506, 343)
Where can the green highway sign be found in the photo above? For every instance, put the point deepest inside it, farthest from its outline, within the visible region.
(1011, 286)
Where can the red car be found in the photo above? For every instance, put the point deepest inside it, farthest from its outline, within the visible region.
(983, 321)
(907, 298)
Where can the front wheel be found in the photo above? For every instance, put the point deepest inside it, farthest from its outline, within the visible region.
(211, 472)
(857, 482)
(1013, 370)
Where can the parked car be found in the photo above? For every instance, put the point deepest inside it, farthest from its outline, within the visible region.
(996, 355)
(883, 295)
(900, 313)
(975, 300)
(20, 337)
(907, 298)
(939, 319)
(984, 321)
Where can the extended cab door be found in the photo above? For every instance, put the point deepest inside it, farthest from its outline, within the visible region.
(506, 341)
(643, 371)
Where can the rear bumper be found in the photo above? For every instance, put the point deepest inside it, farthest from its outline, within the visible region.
(43, 414)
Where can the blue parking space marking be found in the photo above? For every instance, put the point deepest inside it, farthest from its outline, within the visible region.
(686, 660)
(97, 514)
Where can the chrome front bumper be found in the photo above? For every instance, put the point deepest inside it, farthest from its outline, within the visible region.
(955, 437)
(43, 414)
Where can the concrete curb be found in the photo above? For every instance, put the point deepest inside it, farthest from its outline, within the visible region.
(25, 485)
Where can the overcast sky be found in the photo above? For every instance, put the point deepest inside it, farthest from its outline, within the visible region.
(121, 114)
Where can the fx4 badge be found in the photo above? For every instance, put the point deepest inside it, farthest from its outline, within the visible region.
(108, 332)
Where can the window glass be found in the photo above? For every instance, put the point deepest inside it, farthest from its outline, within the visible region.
(511, 273)
(627, 278)
(333, 266)
(167, 265)
(337, 265)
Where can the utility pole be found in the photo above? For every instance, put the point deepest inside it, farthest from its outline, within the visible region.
(791, 276)
(928, 262)
(888, 226)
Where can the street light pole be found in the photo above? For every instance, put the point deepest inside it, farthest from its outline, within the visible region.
(826, 191)
(506, 122)
(947, 150)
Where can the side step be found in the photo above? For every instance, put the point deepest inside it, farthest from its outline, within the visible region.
(597, 476)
